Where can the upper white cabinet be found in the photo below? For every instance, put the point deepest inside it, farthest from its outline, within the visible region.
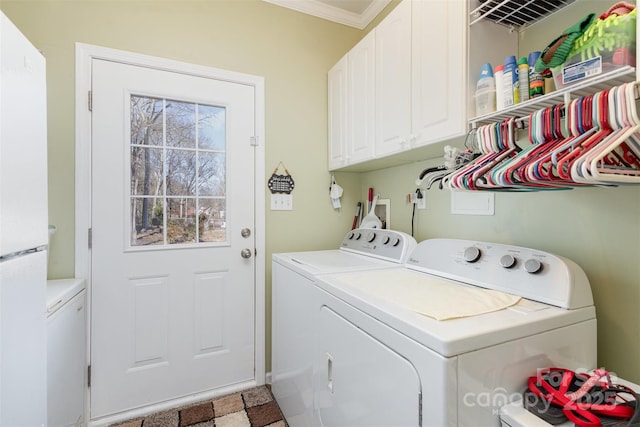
(439, 71)
(351, 105)
(337, 100)
(361, 99)
(393, 81)
(418, 83)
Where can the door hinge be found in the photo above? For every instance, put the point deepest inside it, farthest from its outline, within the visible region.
(89, 376)
(253, 141)
(89, 237)
(90, 100)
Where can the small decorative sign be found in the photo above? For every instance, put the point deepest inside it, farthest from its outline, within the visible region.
(281, 183)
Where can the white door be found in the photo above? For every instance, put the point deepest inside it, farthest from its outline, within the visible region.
(172, 207)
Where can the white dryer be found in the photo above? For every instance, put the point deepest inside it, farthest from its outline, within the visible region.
(384, 359)
(294, 301)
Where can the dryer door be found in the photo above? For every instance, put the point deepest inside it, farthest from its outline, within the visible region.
(360, 381)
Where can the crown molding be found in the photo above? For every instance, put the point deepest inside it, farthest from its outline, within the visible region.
(331, 13)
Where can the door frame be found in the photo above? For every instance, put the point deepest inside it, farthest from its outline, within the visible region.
(84, 55)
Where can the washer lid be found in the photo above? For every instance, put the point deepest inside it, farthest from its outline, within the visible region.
(313, 263)
(62, 290)
(455, 336)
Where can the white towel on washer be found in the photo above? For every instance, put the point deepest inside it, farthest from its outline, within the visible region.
(429, 295)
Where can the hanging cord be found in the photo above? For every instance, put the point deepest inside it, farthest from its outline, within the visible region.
(419, 195)
(413, 216)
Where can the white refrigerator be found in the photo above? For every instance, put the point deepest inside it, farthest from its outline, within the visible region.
(23, 230)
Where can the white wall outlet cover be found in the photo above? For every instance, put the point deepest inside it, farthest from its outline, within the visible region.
(472, 203)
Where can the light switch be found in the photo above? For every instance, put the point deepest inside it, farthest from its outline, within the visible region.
(281, 202)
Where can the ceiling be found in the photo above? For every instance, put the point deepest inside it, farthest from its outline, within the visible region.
(354, 13)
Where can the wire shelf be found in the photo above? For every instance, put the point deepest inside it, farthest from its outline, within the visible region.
(589, 86)
(516, 14)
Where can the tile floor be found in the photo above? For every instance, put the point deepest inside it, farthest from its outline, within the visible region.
(255, 407)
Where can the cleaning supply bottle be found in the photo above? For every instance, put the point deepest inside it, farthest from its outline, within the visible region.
(510, 79)
(523, 79)
(499, 78)
(485, 91)
(536, 81)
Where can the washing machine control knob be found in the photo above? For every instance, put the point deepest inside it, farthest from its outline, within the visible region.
(356, 235)
(533, 266)
(472, 254)
(391, 241)
(507, 261)
(371, 236)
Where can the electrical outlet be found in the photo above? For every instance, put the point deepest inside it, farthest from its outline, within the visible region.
(419, 199)
(281, 202)
(420, 202)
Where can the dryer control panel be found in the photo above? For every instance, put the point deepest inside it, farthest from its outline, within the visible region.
(526, 272)
(389, 245)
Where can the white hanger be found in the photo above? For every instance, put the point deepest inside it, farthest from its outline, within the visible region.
(628, 175)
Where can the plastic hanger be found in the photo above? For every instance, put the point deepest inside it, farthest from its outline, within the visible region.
(598, 100)
(548, 169)
(621, 175)
(507, 148)
(510, 173)
(484, 135)
(609, 114)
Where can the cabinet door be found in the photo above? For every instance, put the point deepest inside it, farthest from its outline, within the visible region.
(393, 80)
(438, 51)
(337, 132)
(361, 101)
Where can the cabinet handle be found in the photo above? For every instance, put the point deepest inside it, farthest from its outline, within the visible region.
(330, 373)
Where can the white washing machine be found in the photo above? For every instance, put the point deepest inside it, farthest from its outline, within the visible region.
(383, 359)
(293, 308)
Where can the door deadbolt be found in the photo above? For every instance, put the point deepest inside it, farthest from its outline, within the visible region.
(245, 232)
(245, 253)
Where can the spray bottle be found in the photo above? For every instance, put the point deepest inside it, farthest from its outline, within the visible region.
(510, 78)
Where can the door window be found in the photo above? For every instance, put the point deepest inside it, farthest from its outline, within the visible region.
(178, 172)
